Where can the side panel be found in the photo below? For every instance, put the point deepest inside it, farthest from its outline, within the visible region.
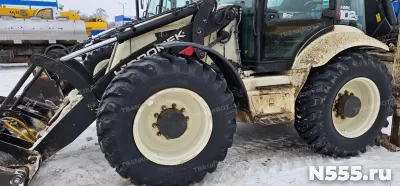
(133, 45)
(229, 48)
(271, 100)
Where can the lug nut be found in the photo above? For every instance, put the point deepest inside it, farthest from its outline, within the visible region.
(155, 125)
(167, 138)
(343, 117)
(174, 105)
(17, 180)
(187, 118)
(158, 133)
(163, 107)
(32, 160)
(340, 94)
(156, 115)
(182, 109)
(352, 94)
(346, 92)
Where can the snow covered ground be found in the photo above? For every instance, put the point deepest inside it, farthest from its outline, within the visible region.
(260, 156)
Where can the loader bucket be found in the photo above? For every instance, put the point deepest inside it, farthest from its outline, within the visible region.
(44, 89)
(48, 86)
(17, 165)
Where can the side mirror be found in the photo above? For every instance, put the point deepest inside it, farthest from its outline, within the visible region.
(271, 17)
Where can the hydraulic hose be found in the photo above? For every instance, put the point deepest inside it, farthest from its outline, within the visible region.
(23, 126)
(8, 125)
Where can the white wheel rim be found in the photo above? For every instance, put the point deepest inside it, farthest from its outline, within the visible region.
(161, 150)
(368, 93)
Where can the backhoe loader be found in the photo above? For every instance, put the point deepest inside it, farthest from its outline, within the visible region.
(167, 102)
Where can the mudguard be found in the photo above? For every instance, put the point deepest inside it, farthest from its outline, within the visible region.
(233, 79)
(341, 38)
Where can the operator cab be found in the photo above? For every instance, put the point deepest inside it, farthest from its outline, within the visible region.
(277, 30)
(48, 13)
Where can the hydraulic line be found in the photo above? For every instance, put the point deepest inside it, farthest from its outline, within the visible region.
(8, 125)
(23, 126)
(43, 123)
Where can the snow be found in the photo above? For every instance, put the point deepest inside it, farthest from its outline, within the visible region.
(260, 155)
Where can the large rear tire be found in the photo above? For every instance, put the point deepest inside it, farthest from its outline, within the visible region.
(166, 120)
(345, 104)
(96, 57)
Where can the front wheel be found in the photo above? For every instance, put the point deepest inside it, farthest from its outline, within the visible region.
(345, 104)
(166, 120)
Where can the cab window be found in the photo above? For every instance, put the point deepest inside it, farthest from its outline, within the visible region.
(45, 13)
(158, 6)
(298, 19)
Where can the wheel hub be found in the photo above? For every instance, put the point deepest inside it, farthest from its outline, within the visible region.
(172, 123)
(348, 105)
(172, 126)
(348, 117)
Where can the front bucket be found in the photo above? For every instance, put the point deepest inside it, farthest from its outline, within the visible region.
(17, 165)
(44, 89)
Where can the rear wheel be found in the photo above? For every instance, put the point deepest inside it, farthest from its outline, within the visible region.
(166, 120)
(99, 55)
(344, 105)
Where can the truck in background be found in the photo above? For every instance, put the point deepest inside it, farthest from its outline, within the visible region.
(25, 31)
(93, 26)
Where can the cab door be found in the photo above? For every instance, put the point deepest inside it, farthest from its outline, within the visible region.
(284, 27)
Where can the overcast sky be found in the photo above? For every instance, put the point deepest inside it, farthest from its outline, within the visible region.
(113, 7)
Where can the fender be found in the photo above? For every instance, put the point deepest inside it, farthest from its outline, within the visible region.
(231, 76)
(323, 49)
(320, 51)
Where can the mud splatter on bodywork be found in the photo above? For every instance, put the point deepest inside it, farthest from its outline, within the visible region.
(323, 49)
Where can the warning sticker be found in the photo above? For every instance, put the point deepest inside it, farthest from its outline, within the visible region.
(378, 17)
(347, 14)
